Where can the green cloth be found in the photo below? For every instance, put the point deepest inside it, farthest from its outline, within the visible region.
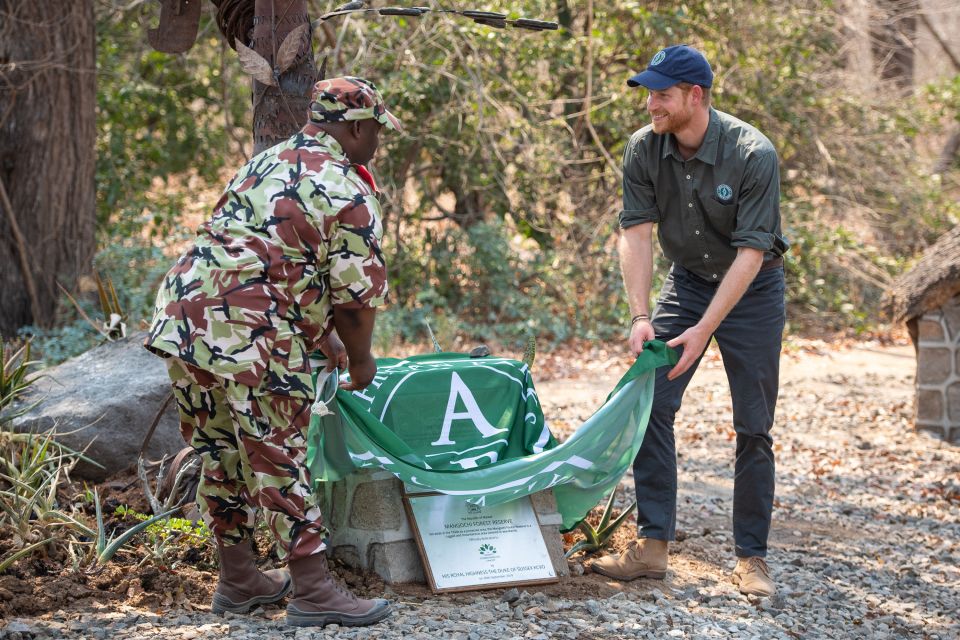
(473, 427)
(724, 197)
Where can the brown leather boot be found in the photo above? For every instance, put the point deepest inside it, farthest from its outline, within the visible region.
(752, 575)
(318, 599)
(643, 558)
(242, 586)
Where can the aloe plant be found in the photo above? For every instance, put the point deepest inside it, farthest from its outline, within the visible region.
(15, 372)
(106, 547)
(31, 469)
(30, 472)
(21, 501)
(13, 557)
(597, 538)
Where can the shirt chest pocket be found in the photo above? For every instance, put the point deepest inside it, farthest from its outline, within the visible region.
(722, 217)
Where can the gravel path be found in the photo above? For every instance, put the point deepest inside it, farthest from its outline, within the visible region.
(866, 540)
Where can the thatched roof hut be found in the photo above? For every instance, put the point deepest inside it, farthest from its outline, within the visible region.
(931, 283)
(928, 298)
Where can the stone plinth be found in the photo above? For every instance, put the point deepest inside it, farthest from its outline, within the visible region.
(938, 371)
(369, 527)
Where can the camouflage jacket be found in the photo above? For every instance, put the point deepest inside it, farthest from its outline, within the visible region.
(295, 232)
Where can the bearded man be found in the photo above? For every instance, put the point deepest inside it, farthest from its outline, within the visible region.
(711, 184)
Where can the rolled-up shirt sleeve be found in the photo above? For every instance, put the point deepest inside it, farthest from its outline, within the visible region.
(639, 201)
(358, 274)
(758, 210)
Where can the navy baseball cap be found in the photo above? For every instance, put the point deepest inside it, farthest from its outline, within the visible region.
(679, 63)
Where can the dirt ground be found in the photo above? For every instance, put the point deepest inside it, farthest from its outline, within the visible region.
(813, 368)
(575, 385)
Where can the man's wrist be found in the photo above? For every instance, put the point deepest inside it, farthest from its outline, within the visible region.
(705, 327)
(638, 318)
(361, 359)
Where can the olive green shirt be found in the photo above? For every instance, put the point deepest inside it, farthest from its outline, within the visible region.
(726, 196)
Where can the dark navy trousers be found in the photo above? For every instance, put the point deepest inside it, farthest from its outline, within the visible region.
(749, 339)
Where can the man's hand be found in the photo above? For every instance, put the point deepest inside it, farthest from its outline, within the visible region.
(640, 332)
(694, 341)
(332, 347)
(361, 374)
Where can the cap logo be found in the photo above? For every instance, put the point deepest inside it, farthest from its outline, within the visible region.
(724, 192)
(657, 59)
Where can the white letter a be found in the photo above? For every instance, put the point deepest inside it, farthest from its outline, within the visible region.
(459, 390)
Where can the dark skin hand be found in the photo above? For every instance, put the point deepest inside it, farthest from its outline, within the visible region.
(355, 328)
(332, 347)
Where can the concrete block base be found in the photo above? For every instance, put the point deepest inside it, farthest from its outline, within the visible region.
(369, 528)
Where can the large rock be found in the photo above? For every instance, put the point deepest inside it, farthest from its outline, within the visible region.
(105, 398)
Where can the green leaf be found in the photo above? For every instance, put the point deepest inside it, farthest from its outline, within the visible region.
(6, 564)
(607, 511)
(589, 532)
(584, 545)
(64, 519)
(610, 529)
(106, 548)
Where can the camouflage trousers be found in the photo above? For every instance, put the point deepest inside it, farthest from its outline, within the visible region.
(253, 450)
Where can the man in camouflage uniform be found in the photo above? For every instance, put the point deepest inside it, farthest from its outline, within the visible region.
(291, 253)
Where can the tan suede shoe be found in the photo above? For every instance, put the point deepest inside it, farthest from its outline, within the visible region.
(643, 558)
(752, 575)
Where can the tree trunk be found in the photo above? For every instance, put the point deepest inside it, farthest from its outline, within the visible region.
(47, 154)
(279, 112)
(893, 35)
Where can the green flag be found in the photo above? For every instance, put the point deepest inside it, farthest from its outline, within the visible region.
(473, 427)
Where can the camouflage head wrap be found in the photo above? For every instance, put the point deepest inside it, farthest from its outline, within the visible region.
(349, 98)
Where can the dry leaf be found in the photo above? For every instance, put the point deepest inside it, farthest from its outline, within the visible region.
(255, 65)
(291, 46)
(322, 74)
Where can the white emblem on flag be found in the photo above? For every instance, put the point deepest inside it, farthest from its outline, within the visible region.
(460, 390)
